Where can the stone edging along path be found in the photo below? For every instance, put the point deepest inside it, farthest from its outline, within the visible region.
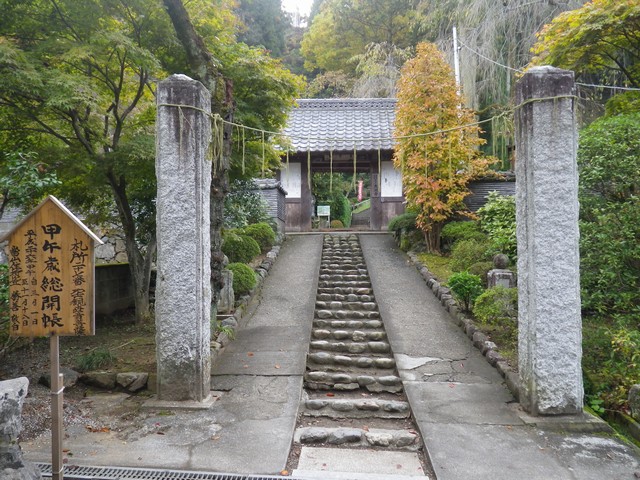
(479, 339)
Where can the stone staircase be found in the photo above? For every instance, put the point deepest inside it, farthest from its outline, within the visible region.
(353, 396)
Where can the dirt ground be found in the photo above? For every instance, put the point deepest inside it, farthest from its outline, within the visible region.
(131, 345)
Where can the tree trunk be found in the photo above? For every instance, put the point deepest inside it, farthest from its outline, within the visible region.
(432, 237)
(139, 264)
(202, 66)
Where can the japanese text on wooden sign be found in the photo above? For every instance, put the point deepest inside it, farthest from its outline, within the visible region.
(51, 274)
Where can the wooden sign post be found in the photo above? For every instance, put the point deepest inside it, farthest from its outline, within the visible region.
(51, 291)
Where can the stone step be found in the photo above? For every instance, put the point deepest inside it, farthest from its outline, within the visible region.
(321, 380)
(343, 270)
(380, 346)
(346, 261)
(345, 314)
(345, 290)
(317, 359)
(332, 277)
(344, 284)
(349, 324)
(337, 305)
(354, 335)
(355, 408)
(374, 437)
(340, 297)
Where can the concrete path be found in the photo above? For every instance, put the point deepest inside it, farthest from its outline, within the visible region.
(470, 423)
(258, 380)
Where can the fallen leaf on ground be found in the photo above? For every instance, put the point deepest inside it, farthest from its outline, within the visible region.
(330, 395)
(250, 354)
(277, 366)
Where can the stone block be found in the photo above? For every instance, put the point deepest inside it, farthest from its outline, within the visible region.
(634, 401)
(12, 465)
(132, 381)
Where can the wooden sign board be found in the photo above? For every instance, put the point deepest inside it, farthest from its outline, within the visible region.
(51, 273)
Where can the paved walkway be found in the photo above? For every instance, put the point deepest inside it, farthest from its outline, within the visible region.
(470, 423)
(471, 426)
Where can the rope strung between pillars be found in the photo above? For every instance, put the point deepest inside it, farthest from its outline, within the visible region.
(218, 123)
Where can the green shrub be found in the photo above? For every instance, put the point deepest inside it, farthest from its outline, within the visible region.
(481, 269)
(96, 359)
(336, 224)
(497, 305)
(405, 221)
(468, 252)
(244, 278)
(455, 231)
(498, 220)
(409, 240)
(611, 360)
(465, 288)
(261, 233)
(609, 162)
(239, 248)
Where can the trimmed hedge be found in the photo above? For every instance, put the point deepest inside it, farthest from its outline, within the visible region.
(239, 248)
(455, 231)
(405, 221)
(497, 306)
(466, 253)
(244, 278)
(261, 233)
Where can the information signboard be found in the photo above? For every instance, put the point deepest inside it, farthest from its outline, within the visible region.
(51, 273)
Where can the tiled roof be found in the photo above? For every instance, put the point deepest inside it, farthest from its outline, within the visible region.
(339, 123)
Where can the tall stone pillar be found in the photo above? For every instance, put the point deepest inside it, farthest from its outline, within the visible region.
(183, 291)
(550, 325)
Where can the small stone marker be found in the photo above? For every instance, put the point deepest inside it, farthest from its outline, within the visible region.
(500, 275)
(550, 325)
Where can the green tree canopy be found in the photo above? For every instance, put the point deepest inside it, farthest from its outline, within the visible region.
(602, 37)
(78, 87)
(343, 29)
(264, 24)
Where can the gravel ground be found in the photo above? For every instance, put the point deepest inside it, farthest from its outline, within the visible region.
(32, 361)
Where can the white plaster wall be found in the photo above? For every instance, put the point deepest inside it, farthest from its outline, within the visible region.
(291, 179)
(391, 183)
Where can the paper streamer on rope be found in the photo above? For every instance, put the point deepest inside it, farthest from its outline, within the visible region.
(331, 169)
(288, 174)
(355, 155)
(309, 166)
(263, 154)
(379, 170)
(244, 144)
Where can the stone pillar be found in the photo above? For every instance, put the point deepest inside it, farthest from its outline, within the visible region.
(183, 292)
(12, 466)
(550, 325)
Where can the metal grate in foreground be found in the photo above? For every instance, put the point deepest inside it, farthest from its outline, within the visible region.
(79, 472)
